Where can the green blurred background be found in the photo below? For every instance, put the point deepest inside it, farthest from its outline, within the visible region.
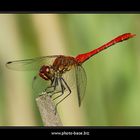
(113, 76)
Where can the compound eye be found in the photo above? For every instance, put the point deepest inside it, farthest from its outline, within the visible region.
(45, 69)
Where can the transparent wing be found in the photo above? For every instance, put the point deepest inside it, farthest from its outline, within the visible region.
(31, 64)
(39, 85)
(70, 79)
(81, 81)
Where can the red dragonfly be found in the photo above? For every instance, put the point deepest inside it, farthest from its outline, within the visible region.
(52, 71)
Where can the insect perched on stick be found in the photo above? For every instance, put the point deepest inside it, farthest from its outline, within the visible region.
(51, 71)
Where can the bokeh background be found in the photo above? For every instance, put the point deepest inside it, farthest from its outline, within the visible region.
(113, 76)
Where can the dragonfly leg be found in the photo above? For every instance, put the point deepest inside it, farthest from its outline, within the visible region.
(62, 90)
(63, 87)
(53, 92)
(53, 86)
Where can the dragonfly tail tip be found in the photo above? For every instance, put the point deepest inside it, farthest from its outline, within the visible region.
(9, 62)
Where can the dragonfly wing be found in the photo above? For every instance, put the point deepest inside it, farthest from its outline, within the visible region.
(40, 85)
(69, 77)
(31, 64)
(81, 81)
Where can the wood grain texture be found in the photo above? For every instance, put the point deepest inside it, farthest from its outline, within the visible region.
(47, 111)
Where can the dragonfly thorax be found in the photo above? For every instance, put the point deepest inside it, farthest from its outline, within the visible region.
(63, 64)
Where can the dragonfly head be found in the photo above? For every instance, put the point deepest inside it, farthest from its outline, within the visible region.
(46, 72)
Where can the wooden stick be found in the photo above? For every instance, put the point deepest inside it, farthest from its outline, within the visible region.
(47, 111)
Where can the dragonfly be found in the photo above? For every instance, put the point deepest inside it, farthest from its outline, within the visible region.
(52, 70)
